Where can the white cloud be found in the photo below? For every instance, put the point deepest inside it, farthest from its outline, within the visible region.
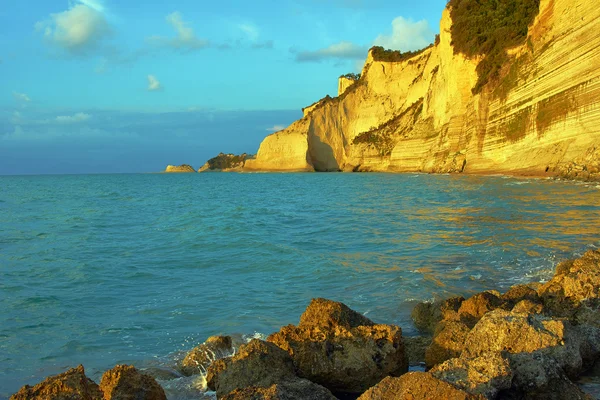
(78, 29)
(21, 98)
(72, 119)
(276, 128)
(185, 38)
(153, 84)
(338, 51)
(250, 30)
(406, 35)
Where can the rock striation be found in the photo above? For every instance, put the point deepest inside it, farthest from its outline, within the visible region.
(540, 117)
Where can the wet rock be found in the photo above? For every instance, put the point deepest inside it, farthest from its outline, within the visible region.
(486, 375)
(288, 390)
(587, 313)
(426, 315)
(327, 314)
(162, 373)
(415, 386)
(200, 357)
(574, 282)
(415, 348)
(539, 377)
(448, 342)
(125, 382)
(475, 307)
(257, 364)
(70, 385)
(331, 348)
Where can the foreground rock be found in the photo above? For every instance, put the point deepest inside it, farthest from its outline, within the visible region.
(125, 382)
(199, 359)
(415, 386)
(184, 168)
(341, 349)
(288, 390)
(72, 384)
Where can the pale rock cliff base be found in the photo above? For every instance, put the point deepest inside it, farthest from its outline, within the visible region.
(420, 115)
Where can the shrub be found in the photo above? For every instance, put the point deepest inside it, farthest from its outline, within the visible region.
(381, 54)
(489, 28)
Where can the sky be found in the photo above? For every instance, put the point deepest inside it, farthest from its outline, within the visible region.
(92, 86)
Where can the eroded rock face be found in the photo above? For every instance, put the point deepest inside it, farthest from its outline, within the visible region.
(200, 357)
(288, 390)
(332, 348)
(256, 364)
(448, 342)
(486, 375)
(416, 348)
(125, 382)
(415, 386)
(69, 385)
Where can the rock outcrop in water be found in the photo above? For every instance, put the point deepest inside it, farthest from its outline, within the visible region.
(226, 163)
(532, 342)
(434, 112)
(184, 168)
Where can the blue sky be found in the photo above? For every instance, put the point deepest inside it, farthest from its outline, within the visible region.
(80, 69)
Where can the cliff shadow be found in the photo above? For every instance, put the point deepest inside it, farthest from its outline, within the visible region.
(321, 154)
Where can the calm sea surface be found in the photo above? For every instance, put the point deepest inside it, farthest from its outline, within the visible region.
(107, 269)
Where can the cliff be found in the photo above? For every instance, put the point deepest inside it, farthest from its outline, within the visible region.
(540, 115)
(184, 168)
(226, 162)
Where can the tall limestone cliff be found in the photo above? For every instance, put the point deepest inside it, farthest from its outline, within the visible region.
(541, 116)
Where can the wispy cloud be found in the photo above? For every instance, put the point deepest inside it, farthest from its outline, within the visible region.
(72, 119)
(406, 35)
(77, 30)
(275, 128)
(21, 98)
(185, 38)
(338, 51)
(250, 30)
(153, 84)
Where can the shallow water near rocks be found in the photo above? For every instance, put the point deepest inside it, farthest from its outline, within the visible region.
(107, 269)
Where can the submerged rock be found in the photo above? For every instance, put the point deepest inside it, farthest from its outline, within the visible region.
(125, 382)
(69, 385)
(256, 364)
(341, 349)
(415, 386)
(199, 358)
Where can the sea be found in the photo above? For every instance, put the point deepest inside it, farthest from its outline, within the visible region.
(102, 270)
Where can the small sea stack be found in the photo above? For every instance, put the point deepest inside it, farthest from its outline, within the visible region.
(178, 169)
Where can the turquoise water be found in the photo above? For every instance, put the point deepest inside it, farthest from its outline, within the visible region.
(106, 269)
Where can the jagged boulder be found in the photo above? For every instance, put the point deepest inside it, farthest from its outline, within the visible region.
(518, 293)
(427, 315)
(415, 386)
(341, 349)
(125, 382)
(528, 307)
(200, 357)
(70, 385)
(257, 364)
(486, 375)
(448, 342)
(288, 390)
(475, 307)
(575, 281)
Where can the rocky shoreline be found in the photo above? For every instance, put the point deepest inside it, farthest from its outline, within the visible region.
(532, 342)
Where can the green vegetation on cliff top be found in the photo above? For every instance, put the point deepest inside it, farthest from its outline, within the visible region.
(489, 28)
